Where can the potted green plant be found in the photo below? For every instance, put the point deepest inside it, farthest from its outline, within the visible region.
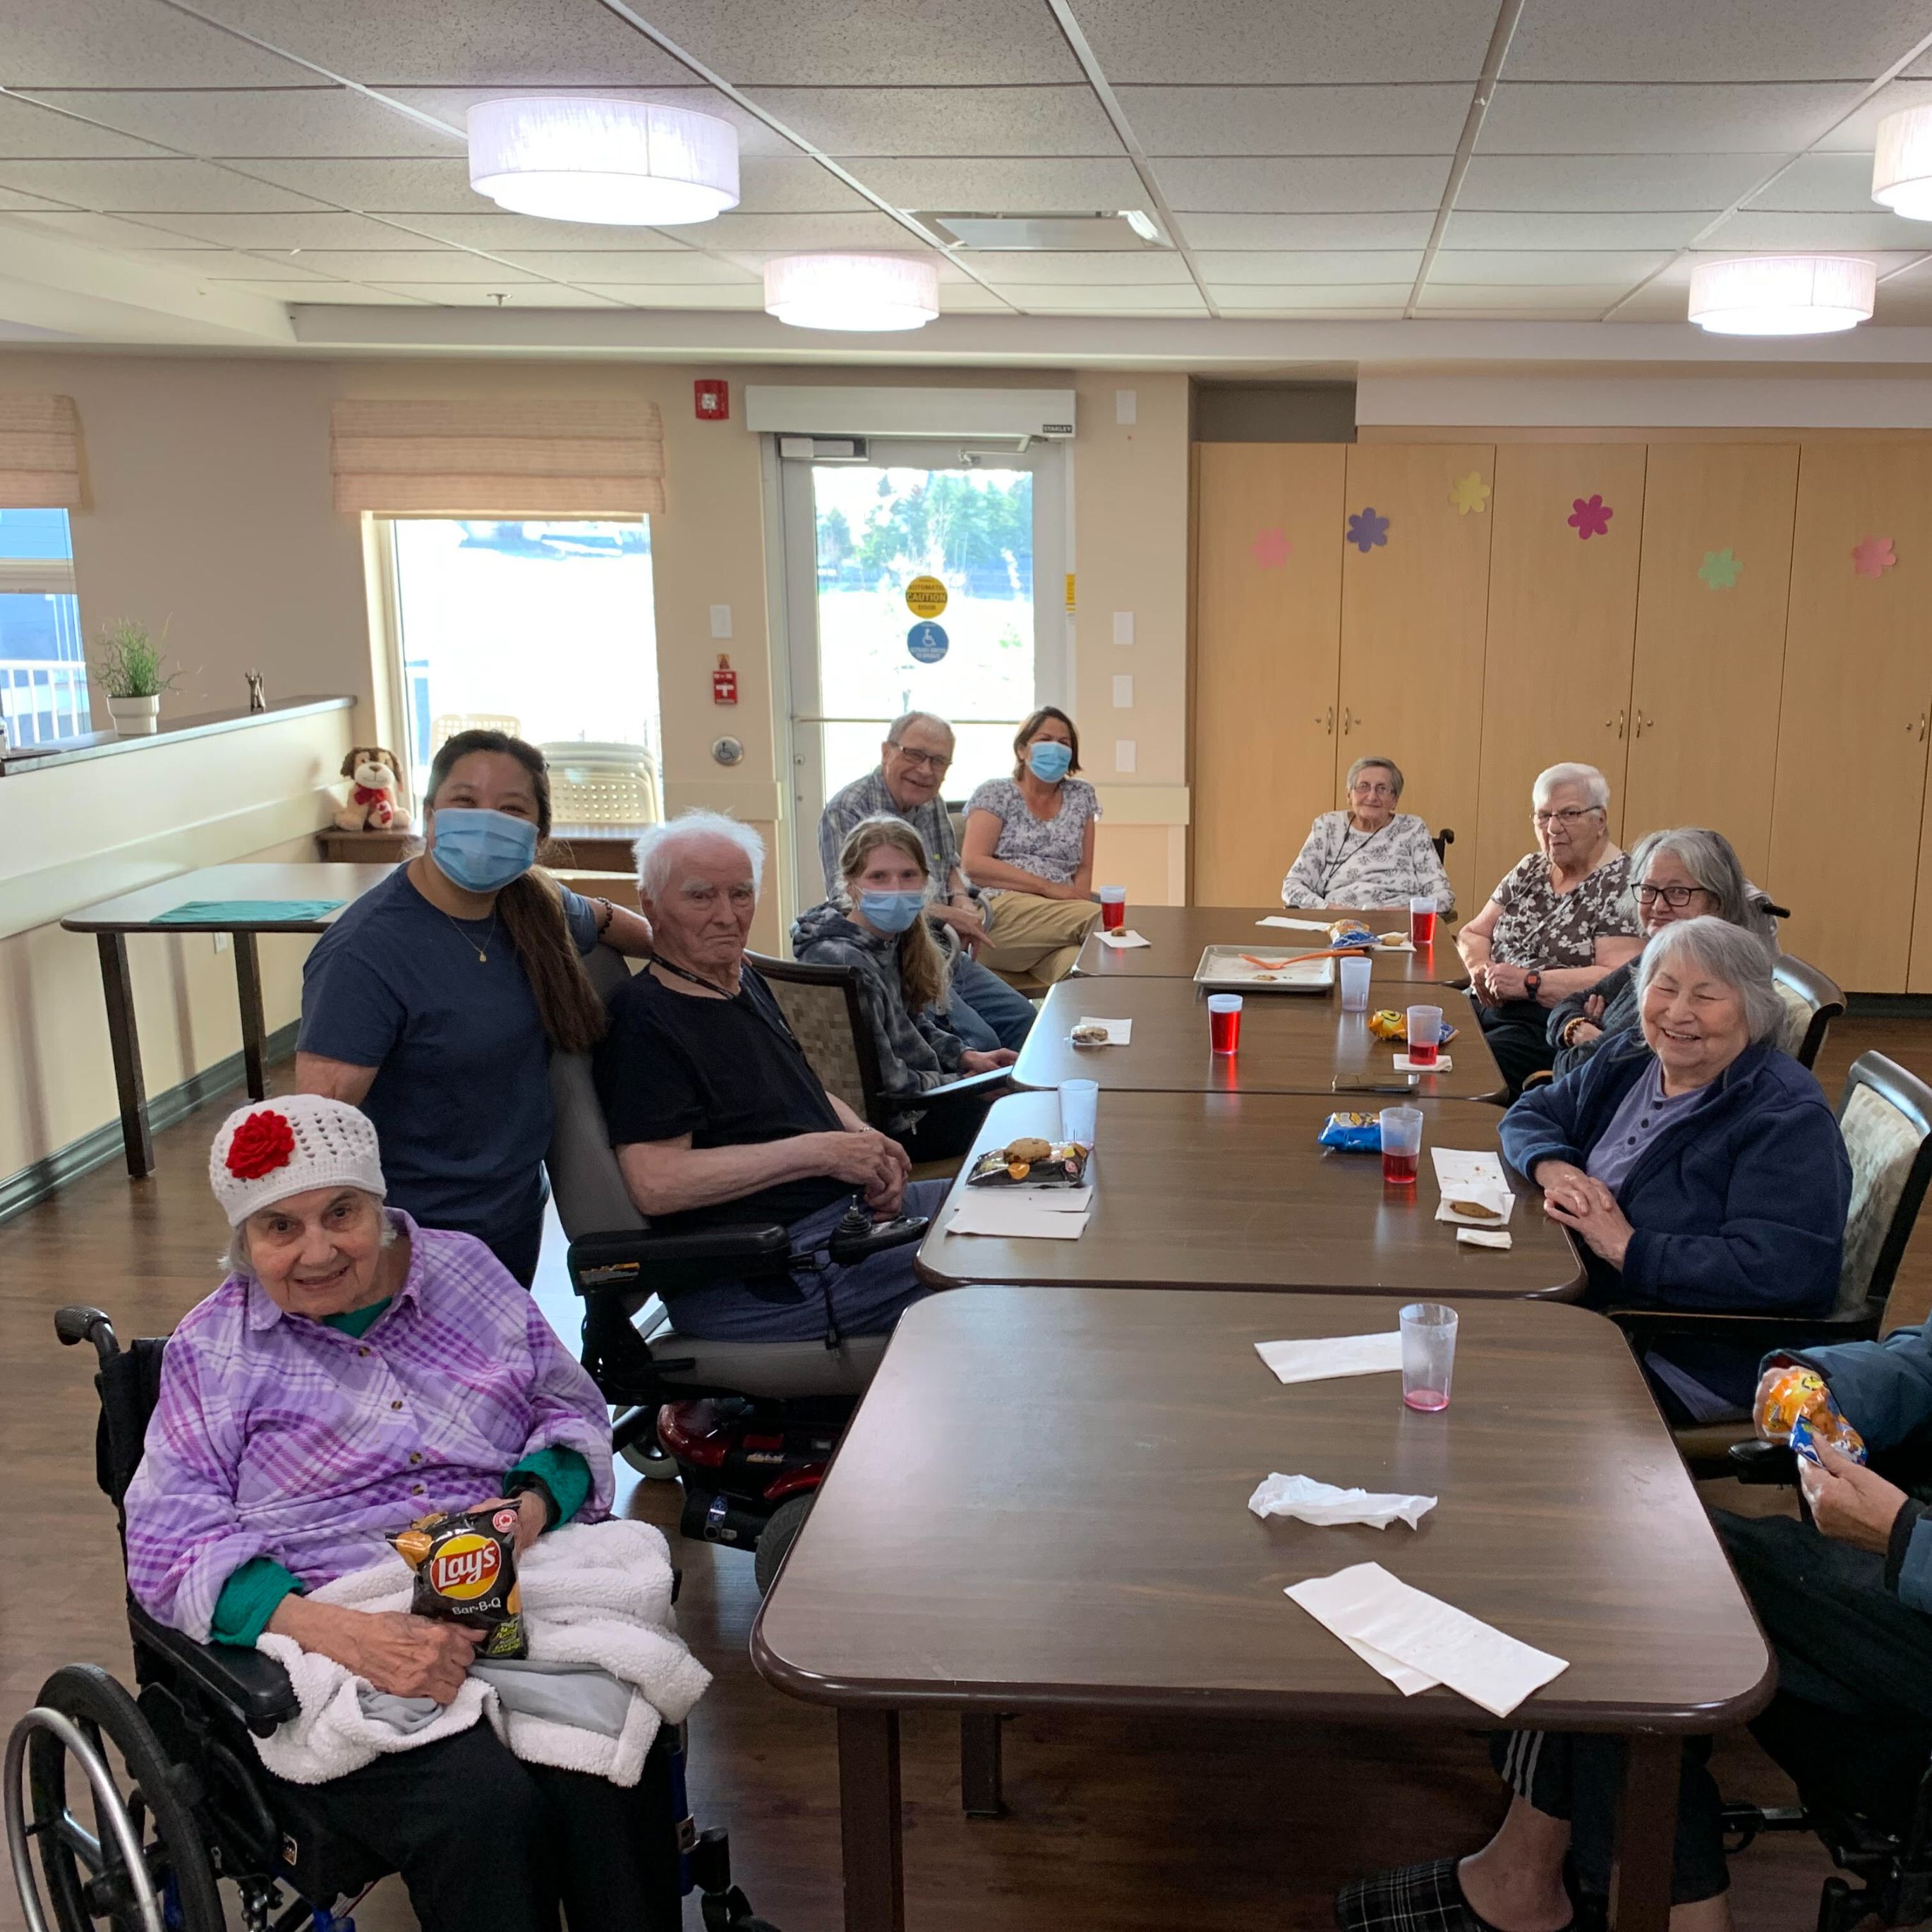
(130, 670)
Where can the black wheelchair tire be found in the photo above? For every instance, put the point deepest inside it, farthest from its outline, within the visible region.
(163, 1813)
(780, 1532)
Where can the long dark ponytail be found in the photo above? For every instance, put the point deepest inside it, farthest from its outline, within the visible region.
(531, 907)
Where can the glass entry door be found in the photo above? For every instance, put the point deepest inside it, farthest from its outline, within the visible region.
(987, 525)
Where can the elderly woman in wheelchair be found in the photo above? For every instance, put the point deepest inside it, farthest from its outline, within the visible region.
(354, 1372)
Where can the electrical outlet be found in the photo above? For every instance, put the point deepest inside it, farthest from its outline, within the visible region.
(220, 942)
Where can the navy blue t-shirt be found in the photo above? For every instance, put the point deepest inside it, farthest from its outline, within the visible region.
(461, 1096)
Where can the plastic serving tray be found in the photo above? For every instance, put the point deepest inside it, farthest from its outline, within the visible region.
(1223, 969)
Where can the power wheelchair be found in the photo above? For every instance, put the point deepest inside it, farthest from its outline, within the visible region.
(191, 1808)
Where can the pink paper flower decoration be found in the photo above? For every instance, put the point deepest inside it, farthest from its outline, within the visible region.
(1590, 516)
(1269, 548)
(1872, 556)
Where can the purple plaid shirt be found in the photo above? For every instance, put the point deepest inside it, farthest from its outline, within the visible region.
(276, 1436)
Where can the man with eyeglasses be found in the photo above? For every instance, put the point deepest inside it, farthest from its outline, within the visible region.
(985, 1012)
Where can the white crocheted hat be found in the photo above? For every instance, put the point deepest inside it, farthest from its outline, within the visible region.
(271, 1149)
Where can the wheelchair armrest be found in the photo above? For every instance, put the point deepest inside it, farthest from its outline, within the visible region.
(624, 1258)
(1648, 1322)
(1762, 1463)
(255, 1689)
(846, 1247)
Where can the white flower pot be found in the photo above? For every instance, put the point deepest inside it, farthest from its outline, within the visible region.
(135, 716)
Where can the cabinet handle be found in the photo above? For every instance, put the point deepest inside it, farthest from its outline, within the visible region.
(1642, 722)
(1328, 725)
(1923, 718)
(1349, 721)
(1615, 724)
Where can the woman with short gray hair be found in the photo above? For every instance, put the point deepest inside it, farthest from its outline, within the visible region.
(1683, 874)
(1699, 1165)
(1371, 854)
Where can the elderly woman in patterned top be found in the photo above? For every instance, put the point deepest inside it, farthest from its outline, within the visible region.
(1370, 855)
(353, 1371)
(1558, 921)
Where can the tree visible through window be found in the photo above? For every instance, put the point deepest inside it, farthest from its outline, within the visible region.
(43, 666)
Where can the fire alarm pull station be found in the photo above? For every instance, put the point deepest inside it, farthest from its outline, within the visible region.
(724, 683)
(713, 397)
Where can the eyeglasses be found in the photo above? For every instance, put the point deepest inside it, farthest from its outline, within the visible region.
(1675, 897)
(938, 761)
(1568, 816)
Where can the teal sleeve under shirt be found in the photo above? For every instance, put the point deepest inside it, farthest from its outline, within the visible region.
(248, 1600)
(565, 1474)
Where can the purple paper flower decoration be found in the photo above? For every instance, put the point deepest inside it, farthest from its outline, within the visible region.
(1366, 530)
(1590, 517)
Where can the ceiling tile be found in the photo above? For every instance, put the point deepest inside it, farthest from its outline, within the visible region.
(1102, 301)
(1733, 40)
(1234, 296)
(335, 295)
(128, 188)
(1233, 41)
(1906, 298)
(229, 265)
(399, 187)
(479, 295)
(104, 231)
(451, 104)
(795, 184)
(411, 264)
(1552, 268)
(1663, 300)
(12, 197)
(1823, 184)
(571, 43)
(1565, 302)
(969, 298)
(129, 44)
(1859, 135)
(1184, 120)
(1005, 187)
(870, 42)
(739, 295)
(792, 234)
(916, 120)
(1322, 184)
(1154, 267)
(39, 132)
(1309, 231)
(1551, 118)
(1474, 229)
(1771, 228)
(497, 230)
(1311, 265)
(1611, 183)
(584, 264)
(327, 229)
(221, 122)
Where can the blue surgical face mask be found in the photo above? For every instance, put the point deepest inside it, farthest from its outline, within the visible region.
(891, 912)
(1048, 761)
(482, 851)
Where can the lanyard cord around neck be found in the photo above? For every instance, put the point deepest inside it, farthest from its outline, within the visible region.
(1348, 852)
(775, 1023)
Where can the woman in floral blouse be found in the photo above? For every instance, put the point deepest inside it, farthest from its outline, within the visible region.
(1559, 920)
(1370, 855)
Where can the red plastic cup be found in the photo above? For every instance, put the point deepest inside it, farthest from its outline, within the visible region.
(1421, 923)
(1401, 1144)
(1398, 1170)
(1425, 1035)
(1224, 1022)
(1113, 908)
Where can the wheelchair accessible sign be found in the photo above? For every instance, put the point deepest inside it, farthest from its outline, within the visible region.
(927, 643)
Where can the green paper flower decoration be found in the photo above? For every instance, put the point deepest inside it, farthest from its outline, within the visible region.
(1720, 569)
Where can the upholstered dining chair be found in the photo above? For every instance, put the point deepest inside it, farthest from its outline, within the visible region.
(1811, 1003)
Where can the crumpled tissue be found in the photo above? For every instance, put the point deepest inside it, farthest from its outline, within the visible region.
(1307, 1501)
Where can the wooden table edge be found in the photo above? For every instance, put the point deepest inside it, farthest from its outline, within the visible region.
(1566, 1293)
(74, 923)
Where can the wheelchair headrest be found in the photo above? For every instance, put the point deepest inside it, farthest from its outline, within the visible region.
(589, 1190)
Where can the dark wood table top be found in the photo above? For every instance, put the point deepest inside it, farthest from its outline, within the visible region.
(1042, 1503)
(136, 911)
(1176, 936)
(1233, 1190)
(1291, 1043)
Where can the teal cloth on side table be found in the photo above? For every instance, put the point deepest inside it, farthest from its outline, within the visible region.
(247, 912)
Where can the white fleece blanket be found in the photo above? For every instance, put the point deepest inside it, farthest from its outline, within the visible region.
(592, 1594)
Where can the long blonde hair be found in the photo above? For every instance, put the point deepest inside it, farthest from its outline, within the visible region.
(922, 966)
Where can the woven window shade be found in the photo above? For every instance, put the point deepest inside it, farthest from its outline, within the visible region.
(487, 459)
(39, 453)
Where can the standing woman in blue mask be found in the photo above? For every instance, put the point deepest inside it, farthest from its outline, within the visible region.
(433, 1002)
(876, 925)
(1029, 847)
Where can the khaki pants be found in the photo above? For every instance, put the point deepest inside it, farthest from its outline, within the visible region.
(1037, 939)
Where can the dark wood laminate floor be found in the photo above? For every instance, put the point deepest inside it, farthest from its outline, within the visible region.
(1131, 1825)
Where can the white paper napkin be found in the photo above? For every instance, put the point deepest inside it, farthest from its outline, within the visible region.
(1012, 1215)
(1307, 1501)
(1444, 1062)
(1367, 1604)
(1335, 1355)
(1119, 941)
(1467, 1175)
(1389, 943)
(1295, 924)
(1119, 1032)
(1478, 1237)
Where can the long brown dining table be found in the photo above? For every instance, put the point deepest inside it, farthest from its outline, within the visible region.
(1177, 935)
(1234, 1190)
(1290, 1043)
(938, 1570)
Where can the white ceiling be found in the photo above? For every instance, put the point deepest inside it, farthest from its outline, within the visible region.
(1315, 159)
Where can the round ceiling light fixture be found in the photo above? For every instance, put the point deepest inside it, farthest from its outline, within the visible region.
(629, 164)
(1902, 164)
(854, 292)
(1782, 295)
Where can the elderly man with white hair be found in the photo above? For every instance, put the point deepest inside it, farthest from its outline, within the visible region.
(715, 1114)
(1560, 919)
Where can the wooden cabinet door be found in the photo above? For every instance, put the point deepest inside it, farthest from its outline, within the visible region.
(1413, 613)
(1556, 675)
(1919, 980)
(1850, 786)
(1710, 640)
(1267, 638)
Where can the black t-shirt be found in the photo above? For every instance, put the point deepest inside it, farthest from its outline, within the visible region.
(726, 1071)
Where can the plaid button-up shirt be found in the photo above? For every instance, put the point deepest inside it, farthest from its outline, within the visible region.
(867, 798)
(276, 1436)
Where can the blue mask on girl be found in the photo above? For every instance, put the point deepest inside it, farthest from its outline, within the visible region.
(482, 851)
(1048, 761)
(892, 912)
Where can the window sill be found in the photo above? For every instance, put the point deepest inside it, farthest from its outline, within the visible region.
(30, 758)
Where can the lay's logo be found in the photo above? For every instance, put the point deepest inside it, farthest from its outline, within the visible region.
(465, 1568)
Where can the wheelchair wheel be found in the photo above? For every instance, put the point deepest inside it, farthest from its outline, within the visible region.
(778, 1535)
(644, 1451)
(136, 1862)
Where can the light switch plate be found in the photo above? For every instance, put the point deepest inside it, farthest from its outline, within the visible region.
(1126, 405)
(721, 620)
(1123, 627)
(1126, 753)
(1123, 692)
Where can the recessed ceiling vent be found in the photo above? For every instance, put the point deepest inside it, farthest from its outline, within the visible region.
(1127, 231)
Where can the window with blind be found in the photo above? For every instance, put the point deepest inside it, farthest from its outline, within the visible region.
(43, 669)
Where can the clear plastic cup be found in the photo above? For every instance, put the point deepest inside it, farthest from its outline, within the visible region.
(1428, 1354)
(1224, 1022)
(1079, 1109)
(1355, 972)
(1113, 908)
(1421, 922)
(1425, 1035)
(1401, 1144)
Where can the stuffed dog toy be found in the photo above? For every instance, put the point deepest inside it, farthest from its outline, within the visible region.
(375, 801)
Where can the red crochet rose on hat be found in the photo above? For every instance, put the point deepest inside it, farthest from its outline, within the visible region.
(262, 1142)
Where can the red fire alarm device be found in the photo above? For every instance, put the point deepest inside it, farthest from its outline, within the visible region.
(714, 398)
(724, 683)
